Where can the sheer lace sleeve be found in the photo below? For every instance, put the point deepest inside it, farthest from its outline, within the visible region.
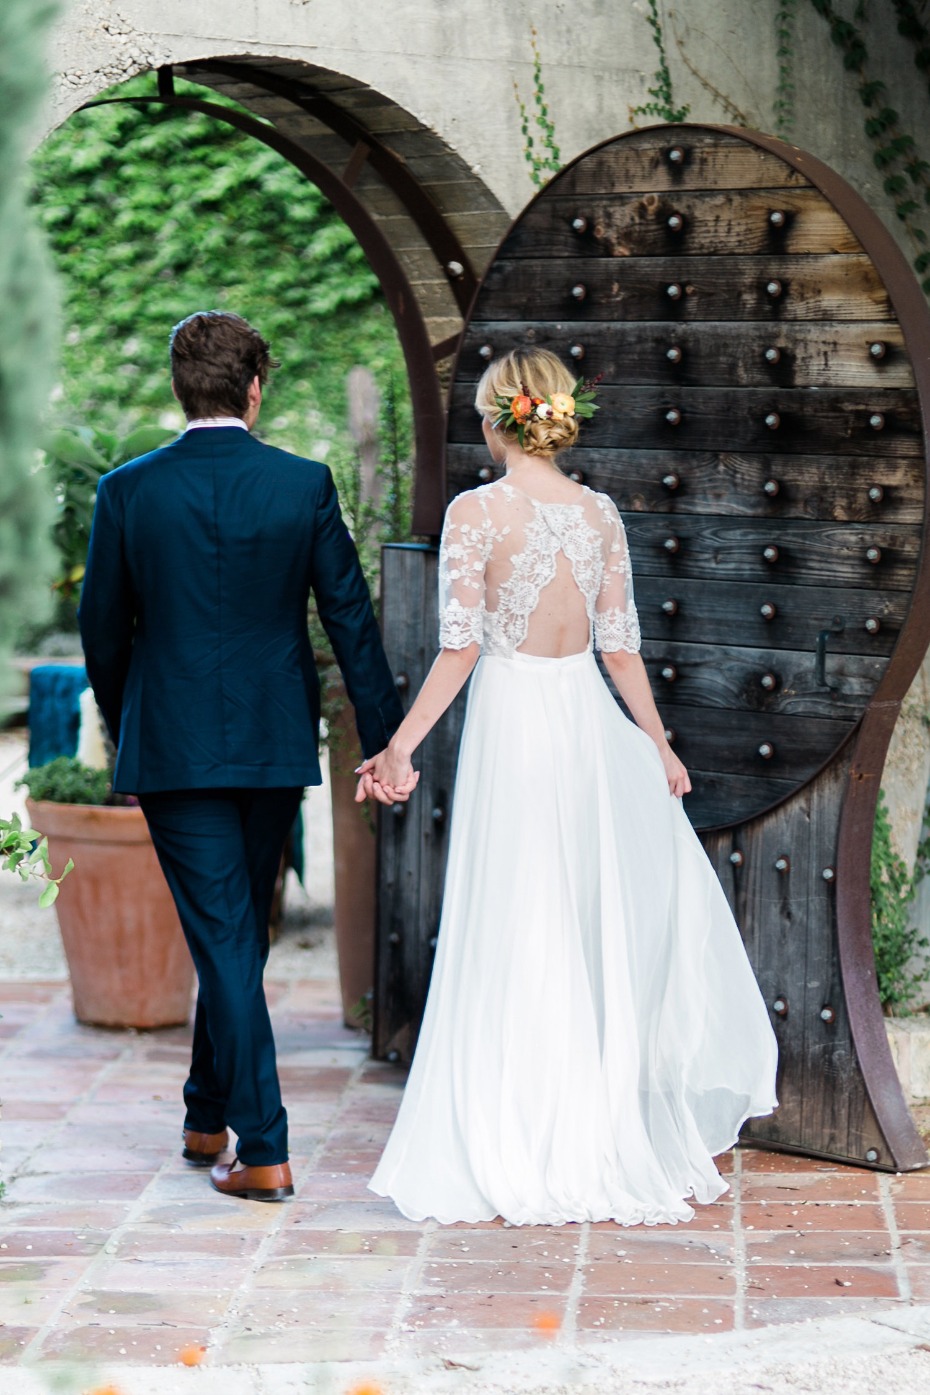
(463, 555)
(616, 624)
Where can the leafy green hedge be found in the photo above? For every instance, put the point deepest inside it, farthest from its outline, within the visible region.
(894, 939)
(153, 213)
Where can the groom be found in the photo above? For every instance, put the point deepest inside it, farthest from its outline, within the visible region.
(193, 616)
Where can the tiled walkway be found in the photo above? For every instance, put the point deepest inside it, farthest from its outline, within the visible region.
(112, 1249)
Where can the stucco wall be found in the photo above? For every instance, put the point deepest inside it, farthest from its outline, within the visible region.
(452, 65)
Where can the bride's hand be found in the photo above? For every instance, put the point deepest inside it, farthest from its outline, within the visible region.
(386, 777)
(676, 774)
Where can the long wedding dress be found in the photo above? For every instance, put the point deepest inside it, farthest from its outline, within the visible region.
(594, 1034)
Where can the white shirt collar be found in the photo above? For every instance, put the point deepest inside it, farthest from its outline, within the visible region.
(215, 421)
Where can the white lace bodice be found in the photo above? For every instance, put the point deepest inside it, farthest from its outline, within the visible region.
(517, 573)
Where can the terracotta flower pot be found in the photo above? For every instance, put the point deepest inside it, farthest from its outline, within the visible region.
(127, 956)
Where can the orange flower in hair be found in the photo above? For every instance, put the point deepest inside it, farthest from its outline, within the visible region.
(516, 411)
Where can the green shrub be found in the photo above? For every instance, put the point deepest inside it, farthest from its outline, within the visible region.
(77, 457)
(895, 939)
(66, 781)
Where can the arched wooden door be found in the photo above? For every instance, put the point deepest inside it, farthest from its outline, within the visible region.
(765, 361)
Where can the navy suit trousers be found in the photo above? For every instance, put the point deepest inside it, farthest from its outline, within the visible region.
(220, 850)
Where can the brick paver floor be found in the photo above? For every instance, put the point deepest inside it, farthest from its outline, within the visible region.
(112, 1249)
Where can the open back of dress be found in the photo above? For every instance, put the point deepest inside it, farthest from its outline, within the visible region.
(520, 574)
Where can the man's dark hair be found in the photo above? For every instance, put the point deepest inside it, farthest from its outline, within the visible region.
(214, 357)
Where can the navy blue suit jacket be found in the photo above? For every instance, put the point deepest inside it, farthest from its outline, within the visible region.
(193, 616)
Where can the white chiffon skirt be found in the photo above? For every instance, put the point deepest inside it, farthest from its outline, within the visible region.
(593, 1034)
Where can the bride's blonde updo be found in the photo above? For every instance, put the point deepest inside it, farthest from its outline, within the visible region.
(540, 374)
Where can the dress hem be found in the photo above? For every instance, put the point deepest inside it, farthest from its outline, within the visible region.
(659, 1217)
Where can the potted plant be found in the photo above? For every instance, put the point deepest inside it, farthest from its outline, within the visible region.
(127, 957)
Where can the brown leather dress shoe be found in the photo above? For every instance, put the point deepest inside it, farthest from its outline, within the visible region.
(203, 1149)
(253, 1183)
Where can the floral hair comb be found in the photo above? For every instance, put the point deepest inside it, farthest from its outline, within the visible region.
(517, 411)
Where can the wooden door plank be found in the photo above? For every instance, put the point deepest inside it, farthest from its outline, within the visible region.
(731, 676)
(729, 740)
(774, 911)
(832, 1087)
(398, 981)
(821, 354)
(834, 421)
(732, 483)
(844, 287)
(711, 161)
(719, 798)
(705, 222)
(811, 554)
(716, 615)
(413, 837)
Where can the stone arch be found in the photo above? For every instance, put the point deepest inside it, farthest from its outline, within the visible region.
(425, 220)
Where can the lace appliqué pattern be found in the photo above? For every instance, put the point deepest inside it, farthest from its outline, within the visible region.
(589, 534)
(533, 569)
(460, 626)
(617, 629)
(463, 556)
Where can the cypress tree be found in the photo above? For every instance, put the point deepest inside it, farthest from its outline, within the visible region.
(27, 331)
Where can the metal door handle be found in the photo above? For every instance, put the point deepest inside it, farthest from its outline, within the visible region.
(820, 652)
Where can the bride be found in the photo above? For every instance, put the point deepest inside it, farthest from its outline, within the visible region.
(594, 1034)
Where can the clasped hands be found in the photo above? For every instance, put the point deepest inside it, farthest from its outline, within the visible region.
(387, 777)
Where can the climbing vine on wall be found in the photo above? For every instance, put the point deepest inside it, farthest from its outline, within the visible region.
(662, 106)
(911, 26)
(726, 104)
(906, 174)
(785, 18)
(541, 152)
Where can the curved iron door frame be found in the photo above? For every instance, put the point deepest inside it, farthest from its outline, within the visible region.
(429, 416)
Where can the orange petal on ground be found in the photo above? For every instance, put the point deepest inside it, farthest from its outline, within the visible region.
(365, 1389)
(191, 1356)
(547, 1323)
(104, 1390)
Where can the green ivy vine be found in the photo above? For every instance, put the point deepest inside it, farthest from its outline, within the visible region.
(541, 153)
(911, 26)
(906, 174)
(785, 19)
(662, 105)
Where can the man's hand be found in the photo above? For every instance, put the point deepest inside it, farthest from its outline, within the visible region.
(386, 777)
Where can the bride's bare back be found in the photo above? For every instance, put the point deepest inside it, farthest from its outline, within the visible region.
(522, 574)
